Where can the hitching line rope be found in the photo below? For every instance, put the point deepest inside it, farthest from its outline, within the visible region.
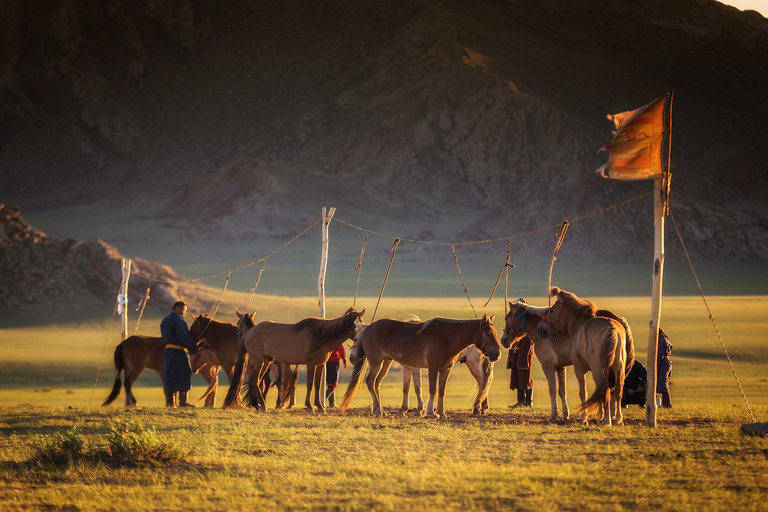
(393, 250)
(504, 268)
(104, 351)
(560, 237)
(255, 285)
(359, 267)
(466, 292)
(143, 307)
(711, 317)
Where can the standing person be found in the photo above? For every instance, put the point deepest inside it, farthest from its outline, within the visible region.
(519, 361)
(663, 368)
(332, 373)
(177, 368)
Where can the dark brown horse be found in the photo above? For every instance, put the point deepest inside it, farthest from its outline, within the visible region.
(135, 353)
(434, 344)
(599, 345)
(555, 352)
(309, 342)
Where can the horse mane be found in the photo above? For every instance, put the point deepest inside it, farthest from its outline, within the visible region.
(445, 320)
(536, 310)
(580, 307)
(324, 331)
(212, 321)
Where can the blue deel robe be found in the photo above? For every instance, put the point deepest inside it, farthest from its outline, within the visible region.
(176, 364)
(663, 364)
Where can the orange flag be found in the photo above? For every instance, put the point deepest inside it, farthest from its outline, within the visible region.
(636, 151)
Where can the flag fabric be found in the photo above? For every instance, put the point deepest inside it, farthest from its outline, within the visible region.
(636, 150)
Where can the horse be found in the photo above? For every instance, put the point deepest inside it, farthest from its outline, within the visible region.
(137, 352)
(599, 345)
(479, 366)
(222, 338)
(309, 342)
(434, 344)
(555, 352)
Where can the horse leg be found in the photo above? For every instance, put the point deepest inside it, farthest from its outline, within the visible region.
(370, 381)
(477, 372)
(263, 369)
(407, 374)
(319, 381)
(131, 374)
(580, 372)
(382, 373)
(444, 374)
(311, 369)
(432, 392)
(563, 392)
(212, 378)
(549, 372)
(294, 384)
(416, 373)
(487, 368)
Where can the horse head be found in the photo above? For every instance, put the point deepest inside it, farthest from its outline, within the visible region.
(514, 323)
(567, 307)
(204, 355)
(357, 323)
(488, 342)
(244, 322)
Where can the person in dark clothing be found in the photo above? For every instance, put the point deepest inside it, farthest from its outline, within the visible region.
(177, 368)
(332, 373)
(634, 385)
(663, 368)
(519, 361)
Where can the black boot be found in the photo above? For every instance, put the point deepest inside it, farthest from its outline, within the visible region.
(170, 400)
(330, 395)
(520, 399)
(529, 397)
(183, 400)
(665, 403)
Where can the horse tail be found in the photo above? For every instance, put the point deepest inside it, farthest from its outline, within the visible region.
(358, 371)
(233, 399)
(119, 367)
(630, 342)
(602, 392)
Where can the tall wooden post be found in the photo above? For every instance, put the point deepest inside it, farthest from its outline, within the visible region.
(126, 269)
(659, 204)
(327, 217)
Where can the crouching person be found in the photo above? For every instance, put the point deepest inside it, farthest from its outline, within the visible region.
(177, 368)
(634, 385)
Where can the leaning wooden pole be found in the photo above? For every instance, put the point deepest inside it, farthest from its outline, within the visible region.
(126, 270)
(327, 217)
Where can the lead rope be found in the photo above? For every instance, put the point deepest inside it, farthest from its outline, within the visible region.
(712, 318)
(560, 237)
(142, 306)
(504, 268)
(466, 292)
(359, 267)
(215, 308)
(392, 252)
(104, 351)
(255, 284)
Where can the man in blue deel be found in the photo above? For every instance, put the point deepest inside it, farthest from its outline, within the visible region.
(176, 364)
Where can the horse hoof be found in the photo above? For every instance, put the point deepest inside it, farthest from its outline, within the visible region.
(403, 411)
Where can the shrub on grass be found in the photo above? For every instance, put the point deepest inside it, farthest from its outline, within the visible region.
(60, 448)
(132, 442)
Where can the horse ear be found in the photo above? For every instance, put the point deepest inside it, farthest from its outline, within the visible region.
(360, 315)
(239, 314)
(511, 304)
(492, 317)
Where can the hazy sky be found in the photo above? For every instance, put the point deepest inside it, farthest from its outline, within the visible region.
(760, 6)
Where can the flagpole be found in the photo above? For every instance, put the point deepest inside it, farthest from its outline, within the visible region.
(660, 210)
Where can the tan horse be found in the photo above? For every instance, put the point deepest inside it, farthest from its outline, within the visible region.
(221, 337)
(479, 366)
(309, 342)
(555, 352)
(599, 345)
(434, 344)
(136, 353)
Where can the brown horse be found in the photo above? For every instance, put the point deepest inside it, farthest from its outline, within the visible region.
(434, 344)
(555, 352)
(135, 353)
(221, 337)
(599, 345)
(309, 342)
(479, 366)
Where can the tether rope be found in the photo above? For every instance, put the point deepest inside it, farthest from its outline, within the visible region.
(255, 285)
(175, 283)
(560, 237)
(393, 251)
(142, 306)
(711, 317)
(104, 351)
(466, 292)
(504, 267)
(359, 267)
(215, 308)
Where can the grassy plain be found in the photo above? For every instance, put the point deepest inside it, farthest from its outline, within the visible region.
(697, 458)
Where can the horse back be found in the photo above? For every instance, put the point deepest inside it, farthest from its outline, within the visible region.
(144, 349)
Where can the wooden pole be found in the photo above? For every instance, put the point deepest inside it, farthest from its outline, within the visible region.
(126, 269)
(324, 260)
(658, 275)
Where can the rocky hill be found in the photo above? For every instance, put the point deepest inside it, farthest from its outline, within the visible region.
(410, 110)
(46, 277)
